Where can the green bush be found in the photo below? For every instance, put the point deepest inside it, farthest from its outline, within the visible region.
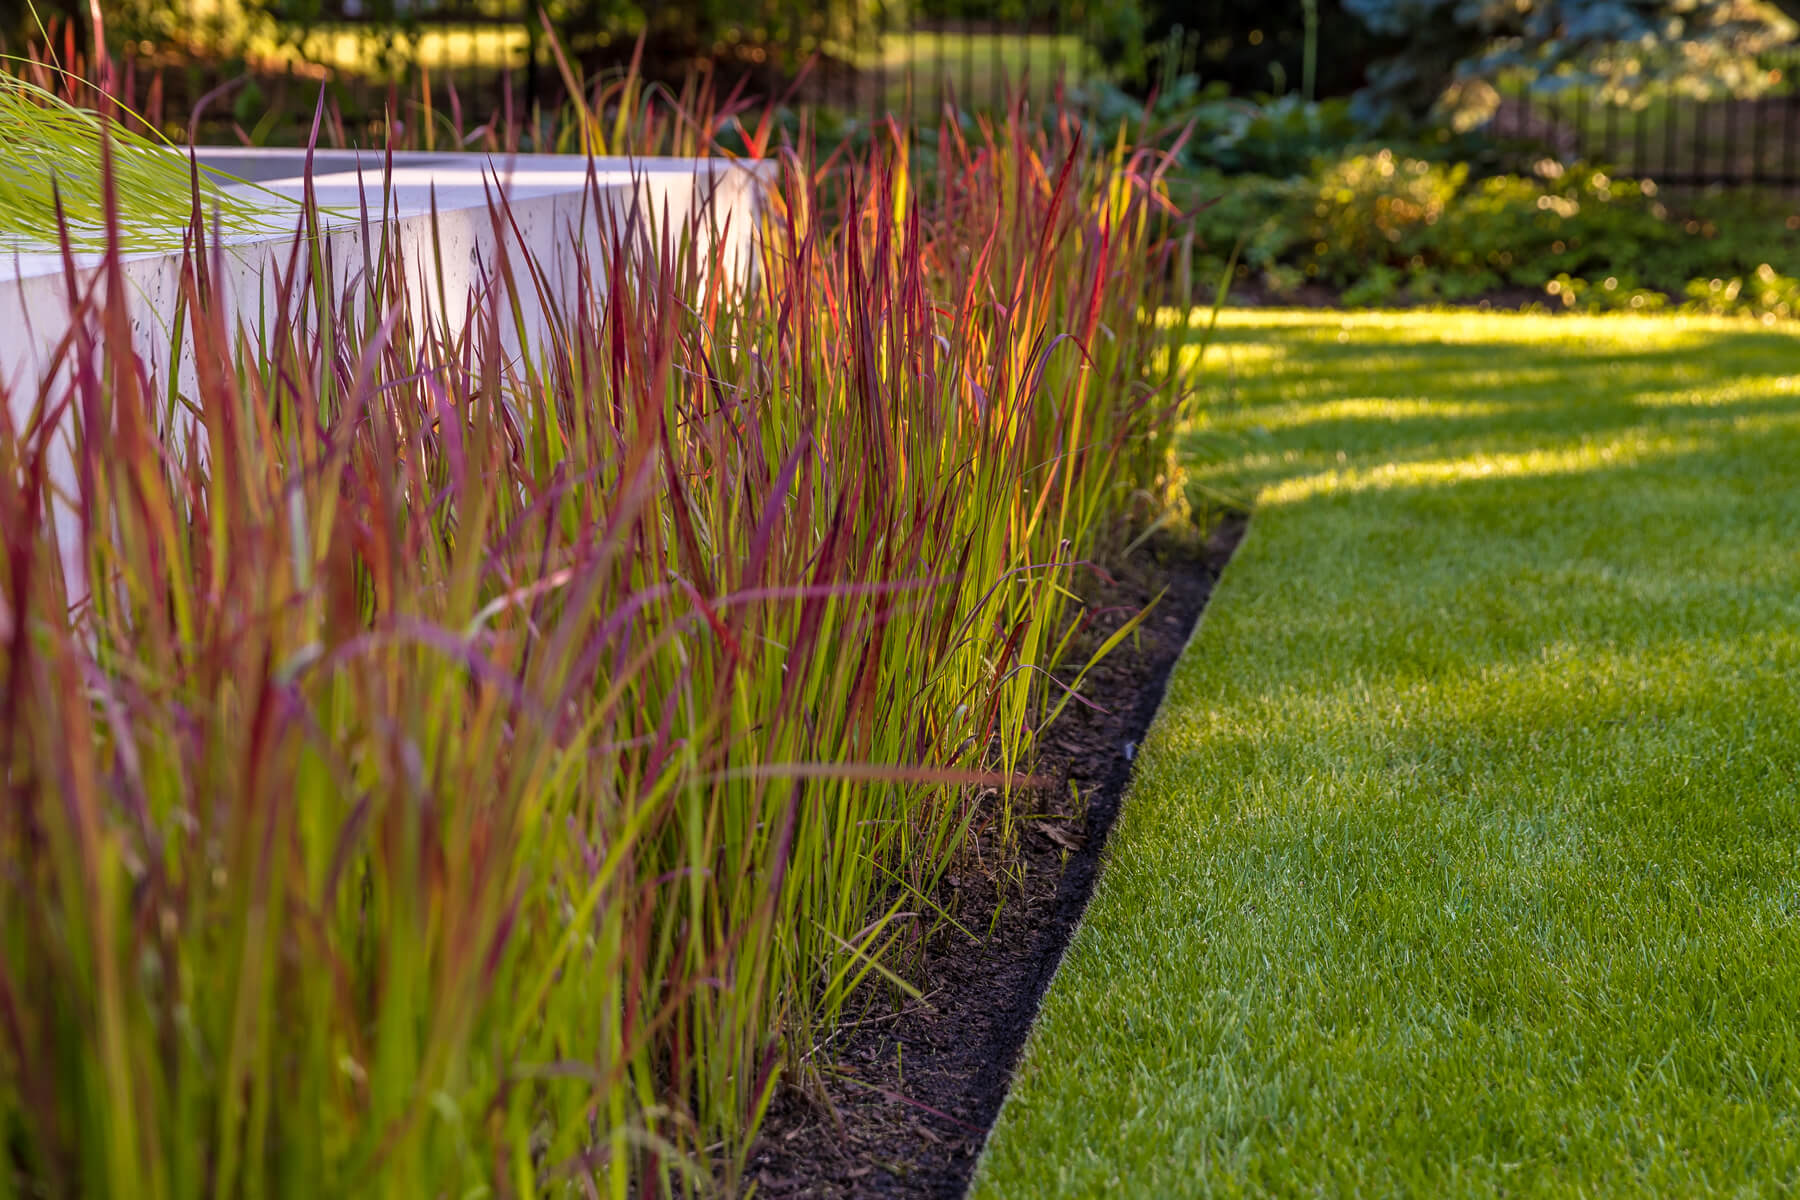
(1280, 136)
(1248, 45)
(1764, 294)
(1386, 225)
(1376, 209)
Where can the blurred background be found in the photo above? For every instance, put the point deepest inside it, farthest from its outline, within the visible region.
(1691, 92)
(1590, 154)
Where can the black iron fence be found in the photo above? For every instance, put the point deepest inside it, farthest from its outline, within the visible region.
(862, 57)
(852, 56)
(1676, 140)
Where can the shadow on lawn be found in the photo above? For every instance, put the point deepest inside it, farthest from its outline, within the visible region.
(1621, 512)
(1470, 399)
(1460, 857)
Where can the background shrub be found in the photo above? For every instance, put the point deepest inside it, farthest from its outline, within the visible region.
(1248, 46)
(1386, 225)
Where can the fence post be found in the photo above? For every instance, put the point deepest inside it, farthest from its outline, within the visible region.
(1756, 140)
(1673, 115)
(1729, 166)
(1639, 159)
(1612, 129)
(1787, 139)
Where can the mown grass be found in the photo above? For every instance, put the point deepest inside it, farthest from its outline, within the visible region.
(916, 65)
(365, 48)
(1464, 857)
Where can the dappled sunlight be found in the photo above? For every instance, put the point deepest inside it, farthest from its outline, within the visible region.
(1539, 331)
(1377, 408)
(1522, 347)
(1621, 451)
(1466, 666)
(1747, 388)
(1469, 819)
(1638, 446)
(1473, 400)
(1229, 355)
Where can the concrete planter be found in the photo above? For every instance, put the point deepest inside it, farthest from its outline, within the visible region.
(557, 211)
(560, 210)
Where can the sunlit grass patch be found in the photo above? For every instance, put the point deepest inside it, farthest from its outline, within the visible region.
(1463, 856)
(1376, 408)
(1569, 460)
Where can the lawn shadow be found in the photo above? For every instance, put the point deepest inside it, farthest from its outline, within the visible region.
(1619, 522)
(1428, 399)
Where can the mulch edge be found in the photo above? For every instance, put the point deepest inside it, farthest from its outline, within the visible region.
(912, 1090)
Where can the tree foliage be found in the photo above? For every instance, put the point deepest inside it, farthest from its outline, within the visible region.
(1251, 46)
(1700, 44)
(1402, 57)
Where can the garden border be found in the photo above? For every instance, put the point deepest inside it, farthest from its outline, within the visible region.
(904, 1107)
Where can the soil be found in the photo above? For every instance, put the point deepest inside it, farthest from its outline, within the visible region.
(909, 1090)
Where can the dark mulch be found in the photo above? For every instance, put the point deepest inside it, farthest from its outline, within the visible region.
(910, 1090)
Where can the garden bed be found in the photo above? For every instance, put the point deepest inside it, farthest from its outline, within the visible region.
(562, 723)
(1390, 229)
(905, 1094)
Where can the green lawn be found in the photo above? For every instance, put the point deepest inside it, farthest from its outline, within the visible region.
(359, 48)
(1464, 857)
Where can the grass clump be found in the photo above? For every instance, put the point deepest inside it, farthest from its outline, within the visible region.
(486, 774)
(1461, 859)
(56, 162)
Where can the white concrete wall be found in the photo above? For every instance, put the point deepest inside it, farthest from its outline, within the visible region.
(551, 200)
(562, 211)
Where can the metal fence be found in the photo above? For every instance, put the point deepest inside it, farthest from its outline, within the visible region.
(1678, 141)
(862, 57)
